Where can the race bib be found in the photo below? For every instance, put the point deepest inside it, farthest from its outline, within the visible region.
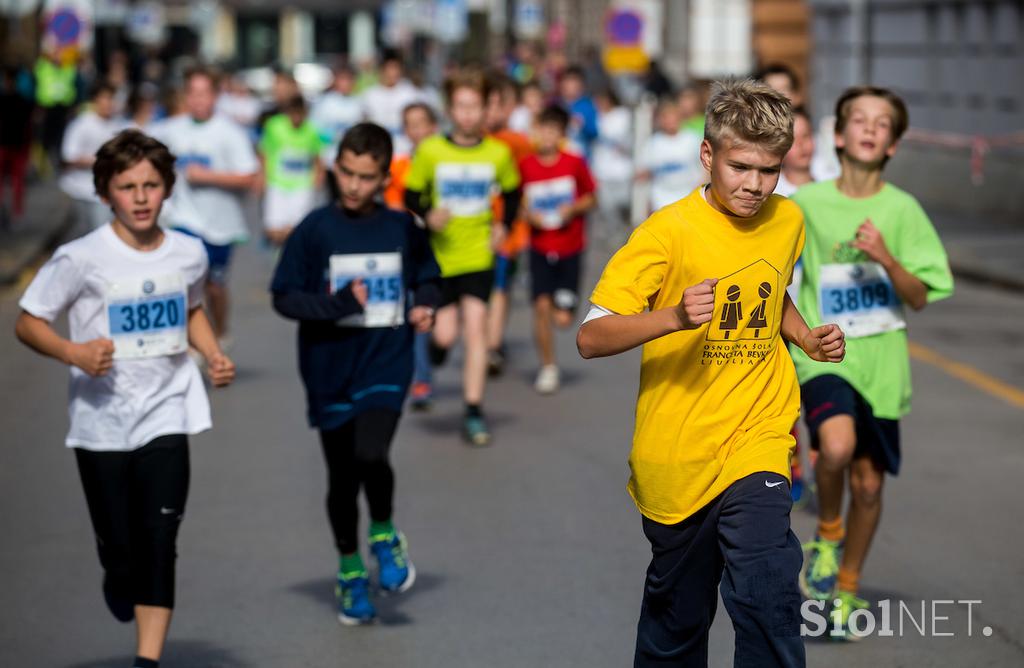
(148, 316)
(382, 273)
(296, 163)
(545, 198)
(465, 189)
(860, 298)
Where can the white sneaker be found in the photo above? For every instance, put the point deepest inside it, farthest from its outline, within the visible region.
(547, 379)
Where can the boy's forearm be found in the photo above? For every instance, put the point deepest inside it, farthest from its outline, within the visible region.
(794, 327)
(38, 335)
(200, 333)
(229, 180)
(911, 290)
(583, 204)
(614, 334)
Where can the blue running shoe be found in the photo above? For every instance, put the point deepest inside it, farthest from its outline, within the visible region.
(395, 571)
(799, 492)
(820, 569)
(353, 596)
(474, 429)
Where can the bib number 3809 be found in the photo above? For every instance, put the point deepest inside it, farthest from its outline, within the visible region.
(860, 298)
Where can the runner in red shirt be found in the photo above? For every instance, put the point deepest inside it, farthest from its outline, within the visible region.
(558, 191)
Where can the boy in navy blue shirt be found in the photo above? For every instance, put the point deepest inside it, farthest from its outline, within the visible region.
(360, 279)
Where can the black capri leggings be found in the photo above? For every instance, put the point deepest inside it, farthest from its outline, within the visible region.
(136, 502)
(357, 457)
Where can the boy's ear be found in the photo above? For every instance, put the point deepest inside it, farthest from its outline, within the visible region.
(706, 155)
(891, 151)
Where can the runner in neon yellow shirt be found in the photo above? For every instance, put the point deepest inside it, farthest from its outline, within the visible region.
(459, 175)
(870, 250)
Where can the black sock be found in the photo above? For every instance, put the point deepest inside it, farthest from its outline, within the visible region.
(437, 354)
(142, 662)
(473, 410)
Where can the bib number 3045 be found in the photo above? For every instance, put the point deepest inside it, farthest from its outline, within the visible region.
(148, 316)
(860, 298)
(385, 298)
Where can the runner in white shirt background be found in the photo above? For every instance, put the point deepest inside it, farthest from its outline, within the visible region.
(384, 103)
(85, 134)
(612, 166)
(133, 296)
(671, 157)
(217, 159)
(335, 111)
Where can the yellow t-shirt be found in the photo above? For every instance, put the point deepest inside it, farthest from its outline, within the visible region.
(717, 403)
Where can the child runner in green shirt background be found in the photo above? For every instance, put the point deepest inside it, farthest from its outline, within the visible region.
(870, 249)
(289, 151)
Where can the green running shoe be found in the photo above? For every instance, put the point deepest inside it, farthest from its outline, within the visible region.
(820, 569)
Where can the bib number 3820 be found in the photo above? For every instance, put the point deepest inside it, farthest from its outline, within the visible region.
(860, 298)
(148, 316)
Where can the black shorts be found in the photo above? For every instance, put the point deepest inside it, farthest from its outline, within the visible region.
(878, 438)
(557, 277)
(476, 284)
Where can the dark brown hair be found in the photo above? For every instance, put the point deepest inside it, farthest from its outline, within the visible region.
(202, 71)
(127, 149)
(368, 139)
(467, 78)
(555, 115)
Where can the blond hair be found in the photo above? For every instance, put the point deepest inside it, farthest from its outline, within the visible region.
(748, 111)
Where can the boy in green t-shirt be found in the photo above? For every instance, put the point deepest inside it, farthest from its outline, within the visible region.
(289, 151)
(459, 174)
(870, 249)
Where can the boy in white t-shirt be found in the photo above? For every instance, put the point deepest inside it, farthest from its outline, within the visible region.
(217, 159)
(133, 295)
(335, 111)
(670, 158)
(84, 136)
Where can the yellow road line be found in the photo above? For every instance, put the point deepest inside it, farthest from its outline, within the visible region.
(965, 372)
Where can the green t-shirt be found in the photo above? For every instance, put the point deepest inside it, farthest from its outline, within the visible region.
(841, 284)
(463, 179)
(290, 153)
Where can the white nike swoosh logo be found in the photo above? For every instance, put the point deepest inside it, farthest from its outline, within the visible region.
(166, 511)
(773, 484)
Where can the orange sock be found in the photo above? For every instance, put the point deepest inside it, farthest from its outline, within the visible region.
(847, 580)
(831, 530)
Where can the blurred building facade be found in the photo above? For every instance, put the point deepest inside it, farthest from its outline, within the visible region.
(960, 67)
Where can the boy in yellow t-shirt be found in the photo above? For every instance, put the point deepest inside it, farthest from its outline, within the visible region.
(702, 286)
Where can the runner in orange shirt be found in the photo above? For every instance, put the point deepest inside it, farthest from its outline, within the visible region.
(501, 103)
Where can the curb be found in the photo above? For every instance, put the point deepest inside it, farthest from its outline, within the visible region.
(42, 245)
(975, 274)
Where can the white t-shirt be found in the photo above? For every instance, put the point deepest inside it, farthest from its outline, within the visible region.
(139, 399)
(784, 187)
(674, 163)
(332, 115)
(384, 106)
(84, 136)
(612, 157)
(223, 146)
(521, 120)
(242, 109)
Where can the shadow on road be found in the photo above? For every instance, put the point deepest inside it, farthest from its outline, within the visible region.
(321, 590)
(192, 653)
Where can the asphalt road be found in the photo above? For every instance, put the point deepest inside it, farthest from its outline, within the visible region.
(530, 553)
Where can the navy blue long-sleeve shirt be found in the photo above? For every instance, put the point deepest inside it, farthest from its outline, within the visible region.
(347, 370)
